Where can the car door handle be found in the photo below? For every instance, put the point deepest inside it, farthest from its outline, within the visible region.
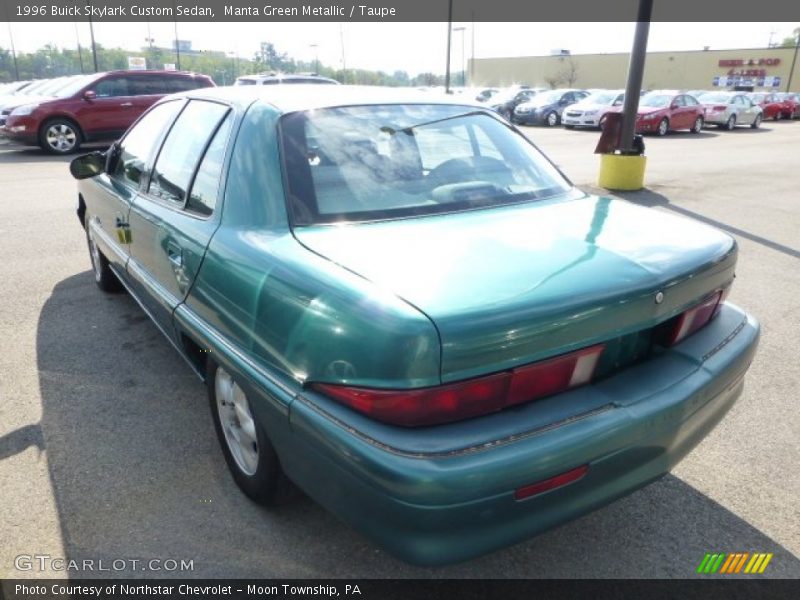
(127, 104)
(175, 255)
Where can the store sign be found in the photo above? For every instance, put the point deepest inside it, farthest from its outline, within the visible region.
(752, 62)
(137, 63)
(738, 80)
(169, 66)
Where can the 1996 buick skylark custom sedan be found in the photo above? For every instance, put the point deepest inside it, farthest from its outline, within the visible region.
(400, 305)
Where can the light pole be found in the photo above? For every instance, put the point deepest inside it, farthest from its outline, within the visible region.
(449, 34)
(463, 64)
(13, 52)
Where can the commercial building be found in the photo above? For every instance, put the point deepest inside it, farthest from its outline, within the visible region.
(761, 68)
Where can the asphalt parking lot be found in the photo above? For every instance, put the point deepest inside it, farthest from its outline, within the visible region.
(107, 448)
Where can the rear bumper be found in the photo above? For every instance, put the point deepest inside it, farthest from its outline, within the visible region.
(431, 499)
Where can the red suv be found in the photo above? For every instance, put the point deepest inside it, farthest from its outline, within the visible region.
(98, 107)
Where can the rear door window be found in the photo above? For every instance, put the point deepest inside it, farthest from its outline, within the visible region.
(205, 188)
(183, 148)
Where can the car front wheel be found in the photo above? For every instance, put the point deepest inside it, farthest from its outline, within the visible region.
(756, 122)
(552, 119)
(730, 125)
(663, 127)
(248, 452)
(60, 136)
(698, 125)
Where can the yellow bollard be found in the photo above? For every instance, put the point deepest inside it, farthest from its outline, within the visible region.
(621, 172)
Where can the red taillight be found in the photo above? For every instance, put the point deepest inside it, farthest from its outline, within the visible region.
(685, 324)
(550, 484)
(470, 398)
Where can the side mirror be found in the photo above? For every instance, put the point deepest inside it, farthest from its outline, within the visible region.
(673, 106)
(111, 157)
(89, 95)
(87, 165)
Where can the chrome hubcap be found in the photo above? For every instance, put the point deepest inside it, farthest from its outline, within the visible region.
(552, 119)
(94, 252)
(237, 422)
(662, 127)
(61, 137)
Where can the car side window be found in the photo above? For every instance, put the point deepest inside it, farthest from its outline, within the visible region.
(138, 145)
(182, 150)
(147, 85)
(678, 101)
(690, 101)
(112, 87)
(205, 188)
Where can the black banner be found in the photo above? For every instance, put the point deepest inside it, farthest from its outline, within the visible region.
(395, 10)
(405, 589)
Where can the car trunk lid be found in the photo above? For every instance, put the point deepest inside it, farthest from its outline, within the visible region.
(516, 284)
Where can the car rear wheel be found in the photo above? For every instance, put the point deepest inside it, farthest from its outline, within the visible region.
(104, 277)
(776, 116)
(60, 136)
(730, 124)
(756, 122)
(248, 452)
(552, 119)
(698, 125)
(663, 127)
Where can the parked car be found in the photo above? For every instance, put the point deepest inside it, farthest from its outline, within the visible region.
(546, 107)
(590, 111)
(504, 102)
(42, 93)
(484, 94)
(729, 109)
(770, 104)
(663, 111)
(282, 78)
(791, 105)
(94, 108)
(399, 304)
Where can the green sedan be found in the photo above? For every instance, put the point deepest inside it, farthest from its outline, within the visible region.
(400, 306)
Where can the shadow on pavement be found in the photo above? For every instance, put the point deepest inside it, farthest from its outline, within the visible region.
(137, 474)
(651, 198)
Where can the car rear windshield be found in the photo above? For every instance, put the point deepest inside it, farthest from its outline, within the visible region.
(366, 163)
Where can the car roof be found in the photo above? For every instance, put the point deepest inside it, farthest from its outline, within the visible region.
(298, 97)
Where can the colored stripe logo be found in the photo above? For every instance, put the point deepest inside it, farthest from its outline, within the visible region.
(735, 562)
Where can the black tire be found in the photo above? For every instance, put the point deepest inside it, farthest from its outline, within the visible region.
(698, 125)
(730, 124)
(104, 277)
(60, 136)
(267, 485)
(777, 116)
(569, 126)
(663, 127)
(756, 122)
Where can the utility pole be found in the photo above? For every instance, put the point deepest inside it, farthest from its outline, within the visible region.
(78, 39)
(463, 63)
(94, 47)
(794, 61)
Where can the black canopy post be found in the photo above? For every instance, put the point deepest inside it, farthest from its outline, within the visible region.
(635, 76)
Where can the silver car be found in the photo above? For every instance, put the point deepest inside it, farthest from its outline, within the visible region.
(729, 109)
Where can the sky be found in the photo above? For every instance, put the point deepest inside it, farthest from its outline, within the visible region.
(413, 47)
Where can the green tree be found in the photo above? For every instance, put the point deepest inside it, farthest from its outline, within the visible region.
(794, 40)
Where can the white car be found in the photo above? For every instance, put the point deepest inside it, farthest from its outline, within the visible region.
(589, 111)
